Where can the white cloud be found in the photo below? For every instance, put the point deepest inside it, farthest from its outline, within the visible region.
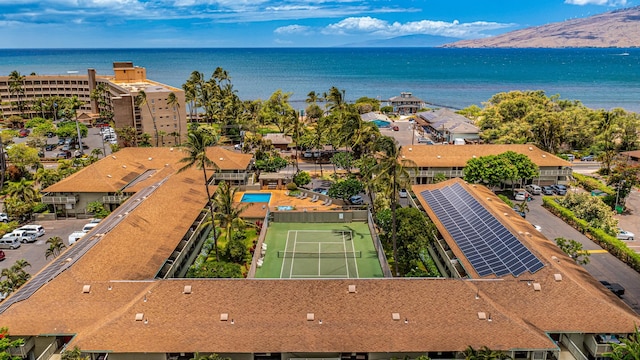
(292, 29)
(597, 2)
(382, 28)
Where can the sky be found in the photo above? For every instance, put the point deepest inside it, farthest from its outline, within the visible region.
(270, 23)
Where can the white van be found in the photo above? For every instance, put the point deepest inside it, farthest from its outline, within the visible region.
(75, 236)
(88, 227)
(10, 242)
(36, 230)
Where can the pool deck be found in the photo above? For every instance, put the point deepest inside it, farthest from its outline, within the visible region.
(280, 198)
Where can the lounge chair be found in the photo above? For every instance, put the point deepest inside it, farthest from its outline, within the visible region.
(304, 196)
(315, 198)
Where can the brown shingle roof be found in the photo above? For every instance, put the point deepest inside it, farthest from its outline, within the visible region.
(458, 155)
(270, 315)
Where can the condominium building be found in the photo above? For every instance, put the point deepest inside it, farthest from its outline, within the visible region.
(132, 99)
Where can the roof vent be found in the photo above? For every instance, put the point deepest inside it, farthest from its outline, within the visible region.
(86, 289)
(221, 158)
(224, 317)
(352, 289)
(537, 287)
(505, 214)
(482, 315)
(150, 158)
(555, 258)
(473, 156)
(170, 149)
(139, 316)
(410, 149)
(395, 316)
(124, 166)
(113, 156)
(310, 316)
(544, 156)
(530, 148)
(557, 277)
(438, 156)
(187, 289)
(109, 176)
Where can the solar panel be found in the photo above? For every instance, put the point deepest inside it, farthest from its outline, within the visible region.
(60, 264)
(488, 245)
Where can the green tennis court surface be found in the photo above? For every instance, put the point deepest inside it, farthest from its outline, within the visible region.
(319, 250)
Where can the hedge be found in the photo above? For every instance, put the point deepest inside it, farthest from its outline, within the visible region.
(610, 243)
(590, 183)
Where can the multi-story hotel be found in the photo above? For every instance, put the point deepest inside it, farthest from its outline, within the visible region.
(121, 96)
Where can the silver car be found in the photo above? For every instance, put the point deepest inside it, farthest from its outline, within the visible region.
(625, 235)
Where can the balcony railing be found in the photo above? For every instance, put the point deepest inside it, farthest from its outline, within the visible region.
(114, 199)
(230, 176)
(67, 199)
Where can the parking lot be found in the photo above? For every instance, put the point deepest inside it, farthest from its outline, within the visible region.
(34, 252)
(603, 266)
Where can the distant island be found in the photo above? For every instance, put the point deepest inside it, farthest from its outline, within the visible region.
(614, 29)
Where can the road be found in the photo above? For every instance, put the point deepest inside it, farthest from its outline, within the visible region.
(602, 266)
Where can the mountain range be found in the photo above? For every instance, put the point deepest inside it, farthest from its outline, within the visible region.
(614, 29)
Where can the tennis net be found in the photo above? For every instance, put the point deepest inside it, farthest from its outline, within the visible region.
(324, 254)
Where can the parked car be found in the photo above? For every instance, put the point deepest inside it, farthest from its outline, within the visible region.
(403, 193)
(547, 190)
(521, 195)
(570, 157)
(521, 213)
(533, 189)
(60, 141)
(396, 128)
(23, 236)
(64, 155)
(9, 242)
(356, 200)
(588, 158)
(2, 255)
(559, 189)
(35, 229)
(625, 235)
(423, 140)
(4, 217)
(50, 147)
(614, 288)
(24, 133)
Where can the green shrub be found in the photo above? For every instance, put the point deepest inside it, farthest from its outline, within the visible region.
(506, 200)
(302, 178)
(292, 186)
(39, 208)
(590, 183)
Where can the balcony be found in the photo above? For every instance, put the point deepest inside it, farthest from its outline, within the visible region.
(230, 176)
(114, 199)
(65, 199)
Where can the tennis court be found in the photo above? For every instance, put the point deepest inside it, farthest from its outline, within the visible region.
(319, 250)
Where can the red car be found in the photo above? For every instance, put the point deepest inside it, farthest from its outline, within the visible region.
(2, 255)
(23, 133)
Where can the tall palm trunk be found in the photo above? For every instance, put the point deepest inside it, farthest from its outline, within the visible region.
(393, 223)
(212, 210)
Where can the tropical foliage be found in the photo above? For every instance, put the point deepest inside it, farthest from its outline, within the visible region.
(13, 277)
(6, 343)
(573, 249)
(592, 210)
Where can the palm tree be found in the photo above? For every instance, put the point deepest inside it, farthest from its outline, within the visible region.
(15, 87)
(75, 103)
(628, 348)
(227, 213)
(15, 276)
(172, 100)
(392, 175)
(55, 247)
(24, 190)
(484, 353)
(196, 149)
(141, 99)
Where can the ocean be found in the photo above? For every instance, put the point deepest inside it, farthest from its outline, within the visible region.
(457, 78)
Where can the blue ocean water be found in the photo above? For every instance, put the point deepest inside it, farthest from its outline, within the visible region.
(600, 78)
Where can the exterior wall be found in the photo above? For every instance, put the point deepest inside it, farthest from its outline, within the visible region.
(123, 114)
(548, 175)
(137, 356)
(40, 86)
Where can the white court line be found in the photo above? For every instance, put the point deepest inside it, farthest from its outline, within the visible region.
(354, 259)
(286, 244)
(295, 239)
(346, 260)
(319, 261)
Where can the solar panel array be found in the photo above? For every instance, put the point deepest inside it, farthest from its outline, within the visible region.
(61, 263)
(488, 245)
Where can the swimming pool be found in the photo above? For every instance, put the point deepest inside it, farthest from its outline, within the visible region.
(381, 123)
(285, 208)
(256, 197)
